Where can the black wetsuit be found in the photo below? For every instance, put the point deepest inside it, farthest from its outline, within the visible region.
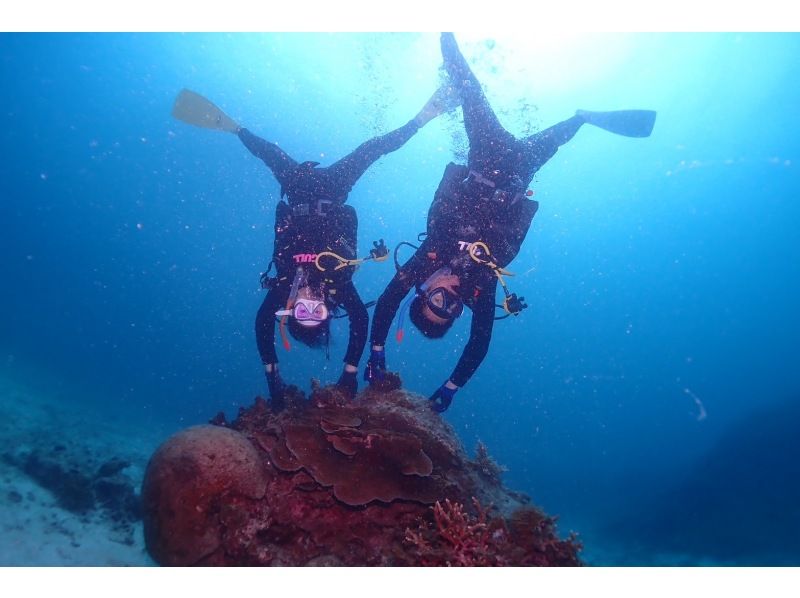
(313, 221)
(483, 201)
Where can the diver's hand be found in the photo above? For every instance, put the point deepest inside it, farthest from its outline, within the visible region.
(441, 399)
(348, 384)
(277, 390)
(376, 366)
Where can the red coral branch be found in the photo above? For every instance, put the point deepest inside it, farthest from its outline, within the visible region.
(458, 538)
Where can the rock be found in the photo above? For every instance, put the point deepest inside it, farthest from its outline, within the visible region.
(111, 467)
(188, 481)
(72, 488)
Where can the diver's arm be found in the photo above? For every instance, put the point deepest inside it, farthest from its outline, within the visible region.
(348, 297)
(391, 298)
(277, 160)
(386, 308)
(480, 336)
(265, 323)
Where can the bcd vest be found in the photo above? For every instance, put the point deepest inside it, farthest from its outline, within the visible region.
(304, 230)
(463, 212)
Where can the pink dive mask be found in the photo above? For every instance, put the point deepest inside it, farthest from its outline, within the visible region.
(308, 312)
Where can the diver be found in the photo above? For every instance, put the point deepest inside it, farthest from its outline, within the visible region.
(479, 217)
(315, 239)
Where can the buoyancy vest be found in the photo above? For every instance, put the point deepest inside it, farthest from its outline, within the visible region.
(304, 230)
(463, 212)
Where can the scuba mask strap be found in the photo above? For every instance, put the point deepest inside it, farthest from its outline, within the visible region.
(407, 304)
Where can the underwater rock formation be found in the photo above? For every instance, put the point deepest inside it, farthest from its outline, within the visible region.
(381, 480)
(81, 482)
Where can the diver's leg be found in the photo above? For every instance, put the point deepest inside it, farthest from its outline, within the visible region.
(540, 147)
(350, 168)
(562, 132)
(483, 128)
(348, 297)
(265, 339)
(278, 161)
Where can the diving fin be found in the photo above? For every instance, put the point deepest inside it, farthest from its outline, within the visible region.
(631, 123)
(192, 108)
(443, 100)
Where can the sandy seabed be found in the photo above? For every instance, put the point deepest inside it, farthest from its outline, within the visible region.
(37, 528)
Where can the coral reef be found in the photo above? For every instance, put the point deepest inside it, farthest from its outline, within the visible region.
(381, 480)
(488, 467)
(457, 538)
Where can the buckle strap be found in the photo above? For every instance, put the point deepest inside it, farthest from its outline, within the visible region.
(476, 176)
(501, 196)
(321, 207)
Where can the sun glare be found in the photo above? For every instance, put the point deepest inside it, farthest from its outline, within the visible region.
(546, 62)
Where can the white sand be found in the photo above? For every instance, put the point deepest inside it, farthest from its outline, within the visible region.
(34, 530)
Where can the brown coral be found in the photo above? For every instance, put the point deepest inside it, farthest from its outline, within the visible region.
(377, 449)
(330, 481)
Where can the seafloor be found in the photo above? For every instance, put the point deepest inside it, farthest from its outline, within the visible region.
(70, 479)
(72, 470)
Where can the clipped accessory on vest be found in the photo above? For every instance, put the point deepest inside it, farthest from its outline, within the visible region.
(379, 253)
(513, 306)
(507, 198)
(480, 253)
(477, 177)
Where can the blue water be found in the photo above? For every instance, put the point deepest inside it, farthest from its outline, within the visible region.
(661, 273)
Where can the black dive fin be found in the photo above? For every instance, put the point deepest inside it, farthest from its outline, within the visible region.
(631, 123)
